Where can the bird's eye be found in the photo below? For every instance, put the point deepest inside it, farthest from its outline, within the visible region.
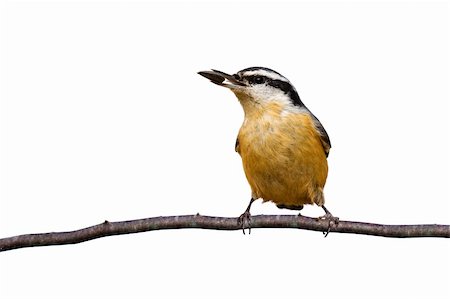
(259, 80)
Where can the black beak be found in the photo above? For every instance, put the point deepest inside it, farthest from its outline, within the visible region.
(221, 78)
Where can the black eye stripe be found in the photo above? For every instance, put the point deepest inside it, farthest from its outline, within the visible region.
(284, 86)
(258, 79)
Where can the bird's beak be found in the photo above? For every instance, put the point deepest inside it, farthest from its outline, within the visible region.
(222, 79)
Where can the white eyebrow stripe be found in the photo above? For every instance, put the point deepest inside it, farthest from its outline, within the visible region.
(265, 73)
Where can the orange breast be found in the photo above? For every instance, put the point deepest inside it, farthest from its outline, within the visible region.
(283, 158)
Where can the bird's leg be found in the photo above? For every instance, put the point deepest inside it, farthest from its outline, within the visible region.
(245, 217)
(331, 219)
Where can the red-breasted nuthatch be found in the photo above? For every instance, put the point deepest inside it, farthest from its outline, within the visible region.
(283, 146)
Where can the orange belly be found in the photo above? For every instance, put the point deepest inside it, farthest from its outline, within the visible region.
(283, 158)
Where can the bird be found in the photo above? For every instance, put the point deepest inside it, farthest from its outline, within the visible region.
(283, 146)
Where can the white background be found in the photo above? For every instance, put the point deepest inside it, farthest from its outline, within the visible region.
(104, 117)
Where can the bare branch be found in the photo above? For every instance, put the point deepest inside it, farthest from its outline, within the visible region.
(221, 223)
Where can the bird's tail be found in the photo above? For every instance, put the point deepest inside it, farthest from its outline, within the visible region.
(318, 197)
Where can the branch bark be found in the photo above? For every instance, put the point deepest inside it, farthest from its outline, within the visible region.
(221, 223)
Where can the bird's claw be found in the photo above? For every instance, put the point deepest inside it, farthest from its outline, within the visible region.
(243, 219)
(331, 219)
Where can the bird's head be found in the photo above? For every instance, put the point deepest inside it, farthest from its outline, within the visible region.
(257, 86)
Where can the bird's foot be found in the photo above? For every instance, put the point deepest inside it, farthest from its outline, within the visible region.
(331, 220)
(244, 219)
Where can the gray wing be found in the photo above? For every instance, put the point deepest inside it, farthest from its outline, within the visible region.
(326, 143)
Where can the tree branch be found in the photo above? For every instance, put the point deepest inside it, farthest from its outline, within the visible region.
(221, 223)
